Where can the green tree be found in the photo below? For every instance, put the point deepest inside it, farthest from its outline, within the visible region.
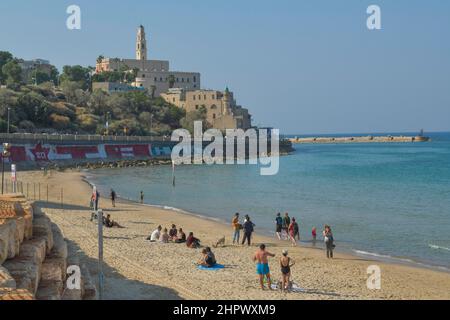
(100, 58)
(5, 57)
(198, 115)
(77, 74)
(13, 72)
(37, 77)
(152, 91)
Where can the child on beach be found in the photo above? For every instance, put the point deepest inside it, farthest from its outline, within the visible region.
(285, 263)
(314, 234)
(164, 238)
(262, 265)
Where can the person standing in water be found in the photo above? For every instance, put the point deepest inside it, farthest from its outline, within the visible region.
(286, 223)
(293, 229)
(262, 265)
(142, 196)
(278, 225)
(329, 240)
(314, 235)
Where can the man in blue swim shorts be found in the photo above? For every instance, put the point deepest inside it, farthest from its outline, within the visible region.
(262, 265)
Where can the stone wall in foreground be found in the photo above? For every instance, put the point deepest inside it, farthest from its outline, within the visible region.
(34, 256)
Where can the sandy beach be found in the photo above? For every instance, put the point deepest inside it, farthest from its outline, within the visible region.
(137, 269)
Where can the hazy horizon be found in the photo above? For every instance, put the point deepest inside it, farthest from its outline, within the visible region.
(301, 66)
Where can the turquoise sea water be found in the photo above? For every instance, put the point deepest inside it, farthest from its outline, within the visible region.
(390, 201)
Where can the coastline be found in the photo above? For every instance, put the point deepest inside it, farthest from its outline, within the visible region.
(352, 252)
(342, 278)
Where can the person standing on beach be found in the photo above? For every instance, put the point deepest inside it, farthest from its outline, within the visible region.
(248, 230)
(142, 196)
(278, 225)
(286, 223)
(329, 240)
(113, 197)
(314, 235)
(236, 228)
(262, 265)
(285, 263)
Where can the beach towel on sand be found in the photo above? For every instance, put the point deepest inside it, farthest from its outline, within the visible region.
(215, 267)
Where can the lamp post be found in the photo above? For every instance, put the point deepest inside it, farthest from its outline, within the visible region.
(7, 128)
(5, 154)
(107, 122)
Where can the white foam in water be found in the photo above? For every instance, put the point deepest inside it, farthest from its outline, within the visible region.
(434, 246)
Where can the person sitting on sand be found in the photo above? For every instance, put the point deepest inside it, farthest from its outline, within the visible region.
(164, 238)
(181, 236)
(192, 242)
(155, 234)
(262, 265)
(285, 263)
(208, 259)
(173, 233)
(109, 223)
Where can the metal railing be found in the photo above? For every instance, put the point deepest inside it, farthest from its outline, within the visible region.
(74, 137)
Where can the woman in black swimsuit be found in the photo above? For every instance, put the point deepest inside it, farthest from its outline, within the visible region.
(285, 263)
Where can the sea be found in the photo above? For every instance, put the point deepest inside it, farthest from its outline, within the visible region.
(384, 201)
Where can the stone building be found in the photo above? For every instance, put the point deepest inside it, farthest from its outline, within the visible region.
(222, 112)
(28, 66)
(154, 75)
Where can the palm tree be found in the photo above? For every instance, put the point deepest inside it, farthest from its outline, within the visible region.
(171, 80)
(100, 59)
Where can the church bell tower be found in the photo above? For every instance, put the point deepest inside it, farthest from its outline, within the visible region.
(141, 44)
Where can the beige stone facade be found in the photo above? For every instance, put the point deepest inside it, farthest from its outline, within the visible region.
(222, 110)
(153, 75)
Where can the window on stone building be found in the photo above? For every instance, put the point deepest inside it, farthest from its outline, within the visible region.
(204, 96)
(195, 79)
(213, 97)
(196, 107)
(214, 115)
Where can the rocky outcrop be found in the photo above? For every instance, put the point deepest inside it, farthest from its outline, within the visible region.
(34, 255)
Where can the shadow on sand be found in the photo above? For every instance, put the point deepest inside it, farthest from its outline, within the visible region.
(117, 286)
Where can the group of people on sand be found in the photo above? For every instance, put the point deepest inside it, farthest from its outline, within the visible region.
(247, 227)
(261, 258)
(287, 228)
(174, 235)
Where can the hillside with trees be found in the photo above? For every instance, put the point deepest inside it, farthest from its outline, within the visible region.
(66, 104)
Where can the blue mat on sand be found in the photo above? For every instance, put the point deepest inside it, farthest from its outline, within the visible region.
(215, 267)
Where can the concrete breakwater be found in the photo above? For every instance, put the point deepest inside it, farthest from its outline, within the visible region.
(364, 139)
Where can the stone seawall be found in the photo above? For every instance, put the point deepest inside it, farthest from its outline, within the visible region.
(34, 255)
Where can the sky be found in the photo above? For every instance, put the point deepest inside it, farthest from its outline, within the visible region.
(303, 66)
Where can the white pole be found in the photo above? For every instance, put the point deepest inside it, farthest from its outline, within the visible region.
(100, 253)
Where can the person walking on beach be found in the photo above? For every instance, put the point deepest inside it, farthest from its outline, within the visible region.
(293, 229)
(248, 230)
(262, 265)
(286, 223)
(285, 263)
(278, 225)
(113, 197)
(329, 240)
(142, 197)
(236, 228)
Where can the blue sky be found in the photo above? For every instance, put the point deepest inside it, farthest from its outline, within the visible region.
(306, 66)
